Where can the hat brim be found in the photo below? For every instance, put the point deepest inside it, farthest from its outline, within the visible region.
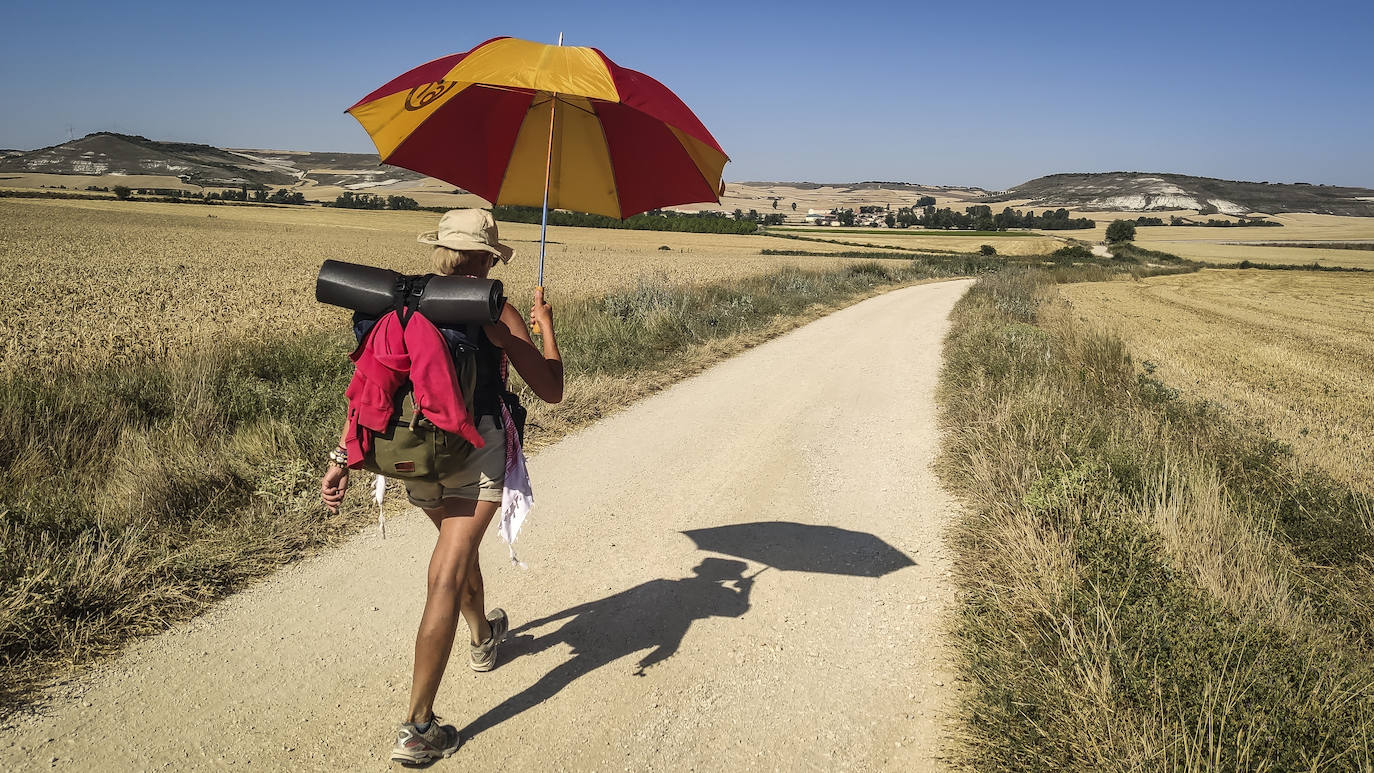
(502, 251)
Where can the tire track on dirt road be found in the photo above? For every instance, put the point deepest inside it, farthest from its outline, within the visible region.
(631, 647)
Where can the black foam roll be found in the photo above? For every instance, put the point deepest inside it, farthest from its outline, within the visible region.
(443, 300)
(367, 289)
(449, 300)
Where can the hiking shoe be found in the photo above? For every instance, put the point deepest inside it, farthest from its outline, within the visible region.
(416, 748)
(483, 656)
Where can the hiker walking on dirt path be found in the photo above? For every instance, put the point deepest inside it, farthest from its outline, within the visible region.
(462, 502)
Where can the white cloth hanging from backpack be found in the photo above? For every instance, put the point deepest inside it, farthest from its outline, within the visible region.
(379, 495)
(517, 500)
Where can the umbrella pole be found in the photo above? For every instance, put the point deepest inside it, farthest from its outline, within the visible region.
(544, 214)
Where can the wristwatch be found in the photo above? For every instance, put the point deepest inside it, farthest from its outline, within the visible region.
(339, 457)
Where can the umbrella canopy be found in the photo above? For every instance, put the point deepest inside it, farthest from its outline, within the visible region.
(621, 144)
(801, 547)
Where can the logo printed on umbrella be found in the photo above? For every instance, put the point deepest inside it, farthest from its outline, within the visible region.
(423, 96)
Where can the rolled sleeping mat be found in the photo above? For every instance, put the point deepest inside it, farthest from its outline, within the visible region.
(444, 300)
(450, 300)
(367, 289)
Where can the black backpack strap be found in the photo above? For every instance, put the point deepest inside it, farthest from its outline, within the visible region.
(487, 401)
(406, 296)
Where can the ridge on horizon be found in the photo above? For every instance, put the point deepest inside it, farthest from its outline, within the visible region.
(109, 152)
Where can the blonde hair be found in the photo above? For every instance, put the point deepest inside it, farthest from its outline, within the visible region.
(462, 262)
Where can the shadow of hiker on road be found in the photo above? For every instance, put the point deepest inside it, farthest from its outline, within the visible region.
(655, 614)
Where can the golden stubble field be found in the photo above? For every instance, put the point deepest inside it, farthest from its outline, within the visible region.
(93, 281)
(1292, 349)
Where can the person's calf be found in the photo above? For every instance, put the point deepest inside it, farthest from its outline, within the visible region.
(478, 625)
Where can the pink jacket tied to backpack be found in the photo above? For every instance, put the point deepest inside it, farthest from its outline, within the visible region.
(388, 356)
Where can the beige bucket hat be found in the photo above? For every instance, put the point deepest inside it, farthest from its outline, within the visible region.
(468, 229)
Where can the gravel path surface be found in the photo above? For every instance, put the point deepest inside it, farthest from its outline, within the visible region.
(631, 647)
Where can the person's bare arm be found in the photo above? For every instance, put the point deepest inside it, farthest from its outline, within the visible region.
(334, 484)
(542, 371)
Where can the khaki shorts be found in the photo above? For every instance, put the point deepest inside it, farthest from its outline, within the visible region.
(480, 479)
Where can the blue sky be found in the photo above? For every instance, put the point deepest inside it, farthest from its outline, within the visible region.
(988, 94)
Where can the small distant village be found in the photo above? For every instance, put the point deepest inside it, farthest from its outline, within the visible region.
(867, 216)
(835, 217)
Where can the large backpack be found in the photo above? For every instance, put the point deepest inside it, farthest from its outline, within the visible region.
(411, 447)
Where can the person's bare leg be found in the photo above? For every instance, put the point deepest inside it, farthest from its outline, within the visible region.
(474, 602)
(461, 526)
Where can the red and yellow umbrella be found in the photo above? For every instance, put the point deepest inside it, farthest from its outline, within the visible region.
(513, 120)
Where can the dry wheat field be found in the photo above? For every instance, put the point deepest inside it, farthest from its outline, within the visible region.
(90, 281)
(1292, 349)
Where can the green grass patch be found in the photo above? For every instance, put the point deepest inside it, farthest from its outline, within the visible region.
(1313, 266)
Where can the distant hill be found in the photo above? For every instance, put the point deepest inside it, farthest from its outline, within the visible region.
(869, 185)
(105, 153)
(1142, 192)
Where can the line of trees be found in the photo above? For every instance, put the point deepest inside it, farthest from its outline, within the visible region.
(1176, 220)
(655, 220)
(282, 196)
(980, 217)
(162, 195)
(351, 200)
(773, 218)
(241, 193)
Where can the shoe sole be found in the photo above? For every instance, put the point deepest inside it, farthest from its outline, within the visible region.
(407, 759)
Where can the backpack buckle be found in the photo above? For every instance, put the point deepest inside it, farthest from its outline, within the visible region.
(407, 291)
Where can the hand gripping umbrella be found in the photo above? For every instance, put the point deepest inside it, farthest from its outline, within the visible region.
(519, 122)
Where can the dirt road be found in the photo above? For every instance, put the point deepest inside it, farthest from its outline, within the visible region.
(632, 648)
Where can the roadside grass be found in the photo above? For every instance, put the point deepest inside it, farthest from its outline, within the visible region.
(1147, 583)
(1129, 251)
(137, 493)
